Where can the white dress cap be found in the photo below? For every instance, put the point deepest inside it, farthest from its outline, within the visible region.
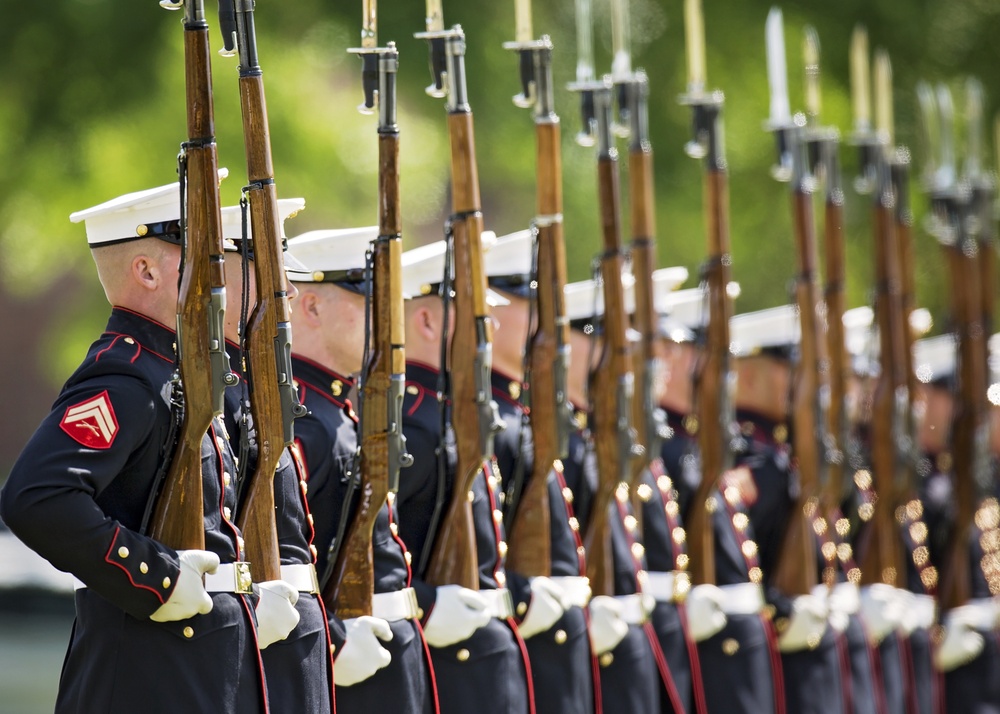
(331, 255)
(232, 227)
(585, 298)
(423, 269)
(509, 259)
(153, 213)
(934, 358)
(775, 327)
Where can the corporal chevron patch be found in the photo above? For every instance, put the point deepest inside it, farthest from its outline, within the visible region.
(92, 423)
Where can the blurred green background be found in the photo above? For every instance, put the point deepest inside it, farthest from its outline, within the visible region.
(93, 107)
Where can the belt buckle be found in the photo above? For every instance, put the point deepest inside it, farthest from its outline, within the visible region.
(313, 580)
(506, 604)
(243, 582)
(412, 608)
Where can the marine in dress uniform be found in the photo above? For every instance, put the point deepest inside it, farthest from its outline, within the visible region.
(299, 668)
(735, 640)
(148, 634)
(968, 655)
(479, 659)
(811, 662)
(551, 611)
(328, 322)
(622, 636)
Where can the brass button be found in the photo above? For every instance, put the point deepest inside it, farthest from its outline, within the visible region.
(412, 390)
(226, 478)
(497, 517)
(189, 632)
(333, 648)
(645, 492)
(780, 433)
(730, 646)
(407, 556)
(129, 341)
(621, 492)
(606, 659)
(471, 496)
(560, 637)
(514, 390)
(462, 655)
(502, 548)
(741, 521)
(315, 553)
(305, 487)
(166, 583)
(679, 535)
(522, 608)
(501, 578)
(309, 517)
(143, 568)
(394, 529)
(123, 552)
(567, 494)
(420, 613)
(664, 483)
(141, 230)
(638, 551)
(749, 548)
(492, 482)
(336, 387)
(227, 512)
(574, 524)
(631, 523)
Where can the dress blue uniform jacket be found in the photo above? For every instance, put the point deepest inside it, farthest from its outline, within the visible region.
(813, 678)
(299, 668)
(77, 496)
(629, 676)
(742, 654)
(488, 672)
(327, 439)
(562, 667)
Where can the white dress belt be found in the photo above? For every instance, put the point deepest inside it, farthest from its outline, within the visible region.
(742, 599)
(498, 603)
(230, 578)
(574, 590)
(661, 585)
(844, 597)
(980, 613)
(636, 608)
(395, 606)
(301, 576)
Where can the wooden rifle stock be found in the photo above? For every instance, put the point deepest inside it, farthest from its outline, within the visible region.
(795, 572)
(351, 586)
(268, 331)
(610, 381)
(882, 559)
(178, 519)
(530, 536)
(474, 419)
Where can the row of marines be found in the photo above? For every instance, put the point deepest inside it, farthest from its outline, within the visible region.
(165, 630)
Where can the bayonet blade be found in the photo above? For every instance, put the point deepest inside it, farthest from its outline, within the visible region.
(860, 88)
(694, 35)
(523, 31)
(369, 24)
(621, 61)
(434, 20)
(810, 57)
(884, 122)
(584, 43)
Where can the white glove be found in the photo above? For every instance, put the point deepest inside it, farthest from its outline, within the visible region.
(961, 643)
(844, 600)
(544, 609)
(704, 611)
(363, 655)
(189, 597)
(881, 610)
(918, 612)
(607, 628)
(457, 613)
(807, 624)
(276, 613)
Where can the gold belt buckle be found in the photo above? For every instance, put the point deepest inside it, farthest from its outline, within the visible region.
(244, 581)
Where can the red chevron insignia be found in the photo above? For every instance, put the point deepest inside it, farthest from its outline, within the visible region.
(92, 423)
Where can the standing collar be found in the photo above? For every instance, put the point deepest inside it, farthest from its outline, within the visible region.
(149, 333)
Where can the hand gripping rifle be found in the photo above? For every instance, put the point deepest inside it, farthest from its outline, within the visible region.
(178, 519)
(268, 339)
(351, 586)
(713, 379)
(951, 203)
(474, 414)
(528, 528)
(795, 572)
(610, 383)
(881, 555)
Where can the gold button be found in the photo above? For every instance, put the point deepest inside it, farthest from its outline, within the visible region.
(189, 632)
(226, 478)
(166, 583)
(756, 575)
(574, 524)
(227, 512)
(501, 578)
(407, 556)
(333, 648)
(749, 548)
(420, 613)
(673, 510)
(514, 390)
(664, 483)
(638, 551)
(621, 492)
(471, 496)
(336, 387)
(497, 517)
(740, 521)
(645, 492)
(492, 481)
(730, 646)
(560, 637)
(631, 523)
(394, 529)
(780, 433)
(412, 390)
(143, 568)
(129, 341)
(567, 494)
(522, 607)
(462, 655)
(123, 552)
(305, 487)
(502, 548)
(141, 230)
(581, 551)
(679, 535)
(606, 659)
(315, 553)
(309, 517)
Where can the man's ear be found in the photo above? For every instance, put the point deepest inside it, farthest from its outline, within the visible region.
(310, 306)
(146, 272)
(428, 324)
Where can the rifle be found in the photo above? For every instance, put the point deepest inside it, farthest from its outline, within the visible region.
(178, 519)
(795, 572)
(351, 585)
(529, 535)
(610, 382)
(713, 376)
(474, 415)
(824, 154)
(268, 333)
(951, 203)
(881, 558)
